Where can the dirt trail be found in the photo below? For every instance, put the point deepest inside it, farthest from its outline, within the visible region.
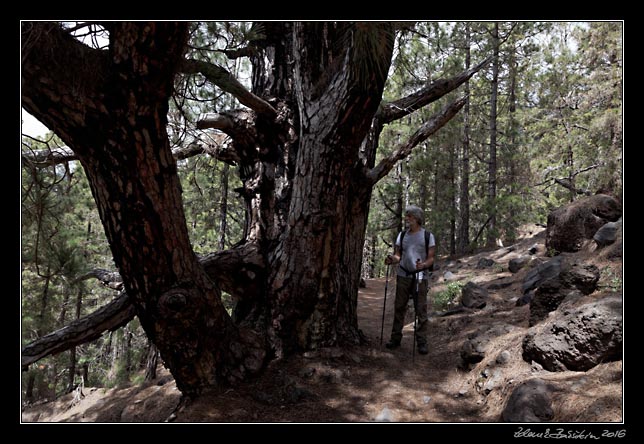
(370, 383)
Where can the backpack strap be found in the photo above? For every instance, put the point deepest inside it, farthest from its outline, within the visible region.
(427, 237)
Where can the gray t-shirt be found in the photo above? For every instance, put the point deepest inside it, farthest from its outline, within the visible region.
(413, 250)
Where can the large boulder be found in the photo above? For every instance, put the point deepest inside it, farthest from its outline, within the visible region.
(537, 275)
(570, 226)
(580, 339)
(551, 292)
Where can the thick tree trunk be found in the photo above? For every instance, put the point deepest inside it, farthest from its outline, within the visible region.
(313, 293)
(307, 180)
(123, 146)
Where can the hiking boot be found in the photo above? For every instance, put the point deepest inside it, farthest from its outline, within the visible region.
(422, 349)
(392, 344)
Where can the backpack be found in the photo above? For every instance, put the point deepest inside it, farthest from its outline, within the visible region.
(427, 236)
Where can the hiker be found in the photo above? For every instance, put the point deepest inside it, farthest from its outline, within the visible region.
(414, 254)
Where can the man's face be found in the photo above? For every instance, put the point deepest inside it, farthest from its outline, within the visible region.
(410, 221)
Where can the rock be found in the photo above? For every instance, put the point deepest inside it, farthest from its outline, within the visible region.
(485, 262)
(449, 276)
(541, 273)
(607, 233)
(579, 340)
(503, 357)
(500, 285)
(385, 415)
(525, 299)
(529, 402)
(493, 379)
(535, 367)
(569, 226)
(474, 296)
(553, 291)
(546, 299)
(518, 263)
(473, 351)
(474, 348)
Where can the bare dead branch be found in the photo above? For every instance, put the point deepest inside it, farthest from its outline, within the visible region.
(427, 129)
(220, 150)
(400, 108)
(110, 279)
(565, 182)
(49, 157)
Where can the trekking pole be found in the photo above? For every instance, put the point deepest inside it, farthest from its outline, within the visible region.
(415, 297)
(384, 304)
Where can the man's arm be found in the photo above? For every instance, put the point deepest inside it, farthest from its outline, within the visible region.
(394, 258)
(431, 251)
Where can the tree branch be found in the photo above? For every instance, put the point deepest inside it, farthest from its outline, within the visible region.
(110, 279)
(565, 182)
(49, 157)
(109, 317)
(219, 150)
(427, 129)
(238, 124)
(400, 108)
(239, 271)
(218, 121)
(227, 82)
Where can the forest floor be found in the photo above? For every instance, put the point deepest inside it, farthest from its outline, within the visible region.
(370, 383)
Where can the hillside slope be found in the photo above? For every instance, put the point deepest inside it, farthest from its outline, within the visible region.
(370, 383)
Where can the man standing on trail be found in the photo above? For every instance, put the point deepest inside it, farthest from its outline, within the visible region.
(414, 254)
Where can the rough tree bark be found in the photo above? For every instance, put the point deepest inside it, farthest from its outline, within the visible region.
(111, 110)
(306, 166)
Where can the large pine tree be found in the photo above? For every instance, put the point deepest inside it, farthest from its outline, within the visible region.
(304, 142)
